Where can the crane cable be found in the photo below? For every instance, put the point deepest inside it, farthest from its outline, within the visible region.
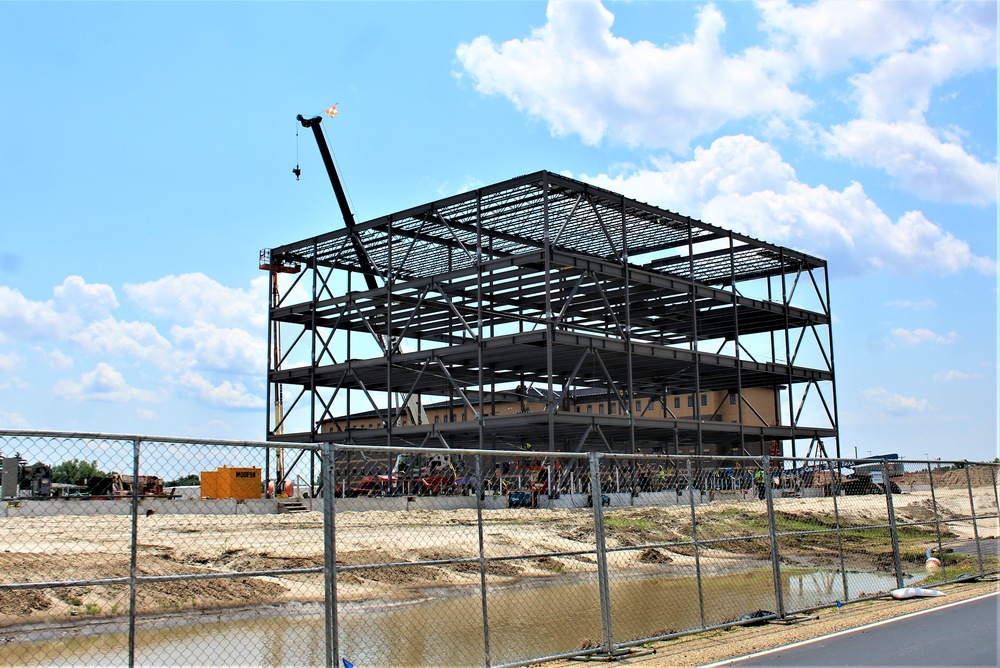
(298, 170)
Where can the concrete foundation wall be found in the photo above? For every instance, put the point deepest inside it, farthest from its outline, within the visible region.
(86, 508)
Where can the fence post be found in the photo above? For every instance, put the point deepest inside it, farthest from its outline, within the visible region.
(133, 569)
(602, 556)
(893, 530)
(482, 557)
(836, 522)
(694, 538)
(975, 523)
(937, 524)
(329, 473)
(996, 493)
(772, 529)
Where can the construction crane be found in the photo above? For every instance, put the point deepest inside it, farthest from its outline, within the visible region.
(414, 408)
(276, 268)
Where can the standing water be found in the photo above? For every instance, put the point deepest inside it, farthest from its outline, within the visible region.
(526, 622)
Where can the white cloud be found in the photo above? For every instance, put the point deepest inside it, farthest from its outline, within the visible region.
(922, 305)
(9, 361)
(224, 395)
(947, 376)
(828, 35)
(104, 383)
(75, 302)
(921, 336)
(22, 318)
(919, 161)
(221, 348)
(145, 414)
(89, 300)
(13, 421)
(576, 75)
(954, 42)
(135, 340)
(189, 298)
(896, 404)
(580, 78)
(470, 183)
(743, 184)
(927, 45)
(55, 359)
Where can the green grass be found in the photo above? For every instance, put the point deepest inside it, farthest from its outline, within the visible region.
(629, 523)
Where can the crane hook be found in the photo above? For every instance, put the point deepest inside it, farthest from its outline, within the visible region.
(297, 172)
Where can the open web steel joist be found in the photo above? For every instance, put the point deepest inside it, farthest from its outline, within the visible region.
(545, 283)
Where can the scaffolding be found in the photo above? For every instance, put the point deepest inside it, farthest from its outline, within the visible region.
(548, 283)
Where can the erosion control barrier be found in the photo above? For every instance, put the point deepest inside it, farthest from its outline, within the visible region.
(424, 556)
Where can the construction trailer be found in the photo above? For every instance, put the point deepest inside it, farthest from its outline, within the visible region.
(545, 286)
(227, 482)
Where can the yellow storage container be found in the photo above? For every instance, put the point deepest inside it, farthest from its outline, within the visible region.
(231, 483)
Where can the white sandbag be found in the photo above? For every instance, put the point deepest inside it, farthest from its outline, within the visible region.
(914, 592)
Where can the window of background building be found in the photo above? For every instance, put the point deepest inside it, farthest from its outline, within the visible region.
(704, 400)
(437, 419)
(600, 409)
(732, 399)
(590, 409)
(613, 408)
(638, 405)
(677, 402)
(690, 401)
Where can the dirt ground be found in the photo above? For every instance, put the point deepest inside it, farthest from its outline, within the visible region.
(82, 548)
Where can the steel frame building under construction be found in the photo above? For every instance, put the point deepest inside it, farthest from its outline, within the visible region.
(548, 283)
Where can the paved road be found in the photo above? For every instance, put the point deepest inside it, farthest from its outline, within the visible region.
(961, 634)
(989, 546)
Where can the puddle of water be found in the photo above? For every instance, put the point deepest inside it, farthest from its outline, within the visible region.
(532, 620)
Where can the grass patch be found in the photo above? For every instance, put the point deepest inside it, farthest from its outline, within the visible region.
(628, 523)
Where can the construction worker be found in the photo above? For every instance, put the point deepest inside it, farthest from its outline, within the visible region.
(758, 480)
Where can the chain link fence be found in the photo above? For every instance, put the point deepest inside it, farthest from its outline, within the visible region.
(129, 550)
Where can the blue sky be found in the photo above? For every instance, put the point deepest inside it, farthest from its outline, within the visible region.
(147, 149)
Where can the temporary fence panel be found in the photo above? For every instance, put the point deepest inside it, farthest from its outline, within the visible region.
(65, 563)
(258, 574)
(541, 576)
(407, 580)
(734, 542)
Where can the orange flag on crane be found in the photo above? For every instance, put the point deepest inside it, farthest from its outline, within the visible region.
(332, 111)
